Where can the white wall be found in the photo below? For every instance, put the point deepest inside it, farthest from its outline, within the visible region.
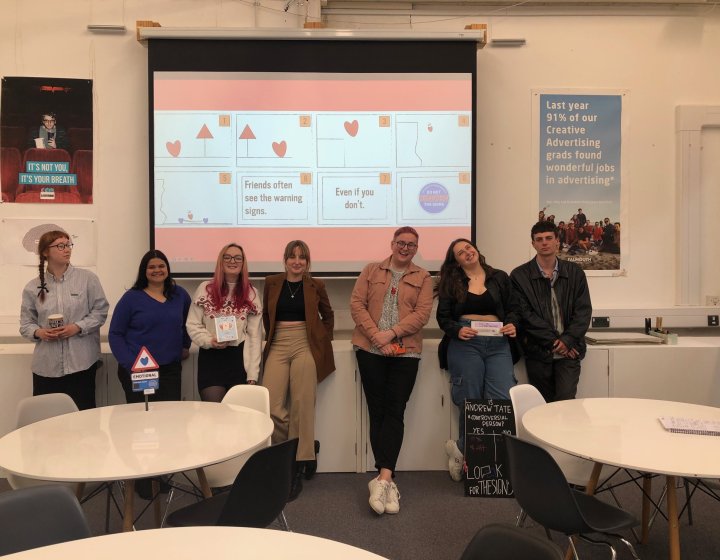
(662, 60)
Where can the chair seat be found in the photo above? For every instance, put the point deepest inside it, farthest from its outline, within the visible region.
(602, 517)
(203, 513)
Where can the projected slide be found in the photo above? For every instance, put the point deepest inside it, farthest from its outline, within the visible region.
(313, 156)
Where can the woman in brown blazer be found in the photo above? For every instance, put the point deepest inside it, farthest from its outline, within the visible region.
(298, 354)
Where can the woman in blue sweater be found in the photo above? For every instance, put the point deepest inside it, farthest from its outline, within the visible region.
(152, 314)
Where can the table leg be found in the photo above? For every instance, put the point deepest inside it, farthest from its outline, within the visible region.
(594, 477)
(128, 512)
(646, 507)
(156, 500)
(79, 490)
(673, 521)
(204, 486)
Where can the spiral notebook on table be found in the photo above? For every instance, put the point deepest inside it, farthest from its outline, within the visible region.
(690, 425)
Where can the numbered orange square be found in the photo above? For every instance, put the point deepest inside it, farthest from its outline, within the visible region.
(223, 120)
(385, 178)
(463, 120)
(384, 121)
(305, 121)
(306, 178)
(464, 178)
(225, 178)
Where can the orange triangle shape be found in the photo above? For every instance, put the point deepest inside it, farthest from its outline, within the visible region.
(204, 133)
(247, 133)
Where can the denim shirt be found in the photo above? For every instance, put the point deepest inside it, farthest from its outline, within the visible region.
(79, 297)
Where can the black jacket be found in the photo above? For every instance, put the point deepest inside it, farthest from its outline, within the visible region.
(507, 308)
(537, 332)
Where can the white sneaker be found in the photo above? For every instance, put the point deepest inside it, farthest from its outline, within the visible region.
(392, 501)
(455, 461)
(378, 494)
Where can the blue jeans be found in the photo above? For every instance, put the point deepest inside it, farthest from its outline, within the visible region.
(480, 368)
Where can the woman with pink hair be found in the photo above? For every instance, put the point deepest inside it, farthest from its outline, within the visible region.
(223, 305)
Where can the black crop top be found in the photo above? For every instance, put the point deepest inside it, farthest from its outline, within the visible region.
(291, 308)
(482, 304)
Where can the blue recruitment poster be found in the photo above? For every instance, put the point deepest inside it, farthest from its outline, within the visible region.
(581, 176)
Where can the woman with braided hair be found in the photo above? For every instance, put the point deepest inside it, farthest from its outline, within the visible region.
(65, 356)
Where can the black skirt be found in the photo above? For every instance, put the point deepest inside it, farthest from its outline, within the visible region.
(221, 367)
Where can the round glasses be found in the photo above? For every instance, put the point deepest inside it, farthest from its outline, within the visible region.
(232, 258)
(62, 246)
(411, 246)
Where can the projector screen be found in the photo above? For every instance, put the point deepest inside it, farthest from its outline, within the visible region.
(339, 157)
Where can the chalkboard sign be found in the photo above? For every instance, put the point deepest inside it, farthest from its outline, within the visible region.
(486, 422)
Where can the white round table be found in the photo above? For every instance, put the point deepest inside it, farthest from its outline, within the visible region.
(627, 433)
(190, 543)
(126, 442)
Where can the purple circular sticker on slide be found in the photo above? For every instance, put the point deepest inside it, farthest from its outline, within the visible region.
(433, 198)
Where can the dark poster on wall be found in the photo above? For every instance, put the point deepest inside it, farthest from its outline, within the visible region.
(486, 422)
(46, 140)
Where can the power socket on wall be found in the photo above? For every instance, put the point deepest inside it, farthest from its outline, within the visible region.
(713, 321)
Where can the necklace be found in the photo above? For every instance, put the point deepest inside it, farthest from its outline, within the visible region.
(293, 294)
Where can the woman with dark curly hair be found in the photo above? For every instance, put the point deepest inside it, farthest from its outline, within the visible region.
(152, 314)
(480, 366)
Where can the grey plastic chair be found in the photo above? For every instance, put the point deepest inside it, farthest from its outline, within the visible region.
(39, 516)
(503, 542)
(543, 492)
(257, 497)
(34, 409)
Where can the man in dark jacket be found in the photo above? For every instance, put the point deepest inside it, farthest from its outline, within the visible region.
(555, 312)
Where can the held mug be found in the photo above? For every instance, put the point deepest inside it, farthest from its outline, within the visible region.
(55, 321)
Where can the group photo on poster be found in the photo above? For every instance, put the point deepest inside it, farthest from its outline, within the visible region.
(46, 140)
(580, 176)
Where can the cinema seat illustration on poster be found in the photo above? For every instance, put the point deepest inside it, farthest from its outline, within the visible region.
(278, 140)
(354, 140)
(433, 139)
(194, 198)
(193, 139)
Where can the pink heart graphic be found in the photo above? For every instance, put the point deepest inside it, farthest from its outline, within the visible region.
(173, 148)
(352, 128)
(280, 148)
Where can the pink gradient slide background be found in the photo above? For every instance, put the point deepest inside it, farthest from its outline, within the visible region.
(266, 245)
(313, 95)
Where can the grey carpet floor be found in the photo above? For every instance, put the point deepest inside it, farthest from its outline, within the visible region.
(436, 521)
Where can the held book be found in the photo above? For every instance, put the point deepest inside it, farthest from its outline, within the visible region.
(226, 328)
(697, 426)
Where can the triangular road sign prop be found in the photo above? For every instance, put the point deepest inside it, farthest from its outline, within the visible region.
(144, 361)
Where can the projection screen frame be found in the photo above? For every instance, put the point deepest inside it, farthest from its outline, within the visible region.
(277, 46)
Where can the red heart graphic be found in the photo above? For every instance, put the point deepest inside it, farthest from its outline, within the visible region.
(352, 128)
(280, 148)
(173, 148)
